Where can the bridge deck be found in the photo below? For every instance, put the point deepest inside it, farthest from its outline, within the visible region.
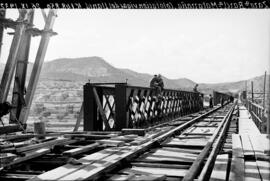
(250, 159)
(223, 149)
(246, 124)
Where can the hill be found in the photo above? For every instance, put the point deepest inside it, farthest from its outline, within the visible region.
(96, 69)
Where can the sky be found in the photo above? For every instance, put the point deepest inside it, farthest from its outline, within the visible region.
(206, 46)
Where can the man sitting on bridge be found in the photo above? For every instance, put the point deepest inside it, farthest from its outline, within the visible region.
(157, 83)
(195, 88)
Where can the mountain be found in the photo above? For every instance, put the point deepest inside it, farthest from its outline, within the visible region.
(96, 69)
(184, 82)
(235, 87)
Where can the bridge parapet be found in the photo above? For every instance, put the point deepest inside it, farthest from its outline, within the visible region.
(118, 105)
(258, 116)
(217, 97)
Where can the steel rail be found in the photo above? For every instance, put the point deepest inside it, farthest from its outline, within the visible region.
(198, 163)
(205, 173)
(134, 152)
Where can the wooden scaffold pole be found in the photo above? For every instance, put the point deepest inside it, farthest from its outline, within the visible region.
(45, 37)
(12, 58)
(20, 75)
(2, 16)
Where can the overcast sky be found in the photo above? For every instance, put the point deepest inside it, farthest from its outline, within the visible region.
(207, 46)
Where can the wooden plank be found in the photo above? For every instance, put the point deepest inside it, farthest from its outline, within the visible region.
(193, 137)
(258, 147)
(247, 147)
(121, 177)
(220, 168)
(183, 150)
(251, 171)
(79, 119)
(133, 177)
(80, 150)
(111, 142)
(15, 144)
(198, 134)
(14, 176)
(206, 126)
(156, 171)
(67, 169)
(139, 141)
(29, 156)
(264, 169)
(139, 132)
(168, 156)
(216, 117)
(90, 136)
(152, 177)
(207, 123)
(45, 144)
(265, 142)
(159, 165)
(123, 138)
(14, 137)
(237, 165)
(10, 129)
(202, 130)
(91, 171)
(200, 143)
(246, 124)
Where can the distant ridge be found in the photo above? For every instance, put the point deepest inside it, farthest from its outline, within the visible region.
(96, 69)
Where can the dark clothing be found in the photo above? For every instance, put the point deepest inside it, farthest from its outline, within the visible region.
(195, 88)
(221, 102)
(154, 82)
(231, 99)
(157, 83)
(210, 102)
(4, 108)
(160, 83)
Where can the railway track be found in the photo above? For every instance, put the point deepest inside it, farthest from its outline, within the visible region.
(182, 149)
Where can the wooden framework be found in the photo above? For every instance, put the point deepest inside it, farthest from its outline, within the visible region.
(18, 60)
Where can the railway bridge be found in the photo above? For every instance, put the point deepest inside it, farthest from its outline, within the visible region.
(129, 132)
